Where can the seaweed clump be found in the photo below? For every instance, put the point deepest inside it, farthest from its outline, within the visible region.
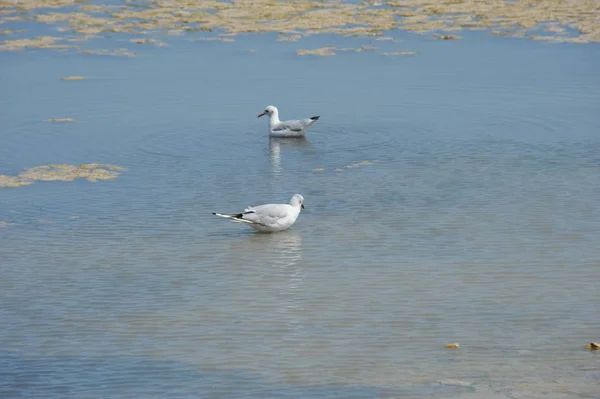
(574, 21)
(64, 172)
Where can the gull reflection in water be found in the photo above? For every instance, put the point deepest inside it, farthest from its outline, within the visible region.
(282, 249)
(275, 144)
(282, 254)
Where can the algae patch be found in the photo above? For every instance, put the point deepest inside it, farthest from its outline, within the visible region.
(331, 50)
(396, 53)
(216, 39)
(60, 120)
(361, 163)
(447, 37)
(321, 52)
(67, 78)
(148, 41)
(573, 21)
(594, 346)
(292, 38)
(36, 42)
(121, 52)
(351, 166)
(64, 172)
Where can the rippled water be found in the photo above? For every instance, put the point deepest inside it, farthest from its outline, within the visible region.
(478, 223)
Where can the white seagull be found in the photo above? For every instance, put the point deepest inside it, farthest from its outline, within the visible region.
(269, 217)
(295, 128)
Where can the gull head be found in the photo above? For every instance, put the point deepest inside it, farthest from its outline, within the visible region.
(270, 110)
(297, 200)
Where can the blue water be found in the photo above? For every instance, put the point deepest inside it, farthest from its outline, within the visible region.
(478, 222)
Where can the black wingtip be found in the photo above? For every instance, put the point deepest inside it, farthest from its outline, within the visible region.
(315, 118)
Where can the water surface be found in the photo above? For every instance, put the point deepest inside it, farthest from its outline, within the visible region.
(478, 222)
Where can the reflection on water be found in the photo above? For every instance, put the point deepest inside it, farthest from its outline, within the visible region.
(285, 252)
(282, 254)
(275, 148)
(284, 248)
(279, 250)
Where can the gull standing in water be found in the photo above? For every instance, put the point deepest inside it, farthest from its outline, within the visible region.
(269, 217)
(293, 128)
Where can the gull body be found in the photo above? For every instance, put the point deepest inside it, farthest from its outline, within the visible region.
(292, 128)
(269, 217)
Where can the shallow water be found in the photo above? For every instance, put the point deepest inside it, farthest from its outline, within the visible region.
(477, 223)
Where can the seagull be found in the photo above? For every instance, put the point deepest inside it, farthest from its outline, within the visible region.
(294, 128)
(269, 217)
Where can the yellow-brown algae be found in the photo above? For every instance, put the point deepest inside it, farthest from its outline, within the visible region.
(576, 21)
(81, 38)
(400, 53)
(60, 120)
(149, 41)
(142, 41)
(452, 346)
(338, 170)
(331, 50)
(322, 52)
(216, 39)
(65, 172)
(94, 8)
(12, 18)
(79, 22)
(33, 4)
(118, 52)
(556, 29)
(13, 181)
(365, 48)
(361, 163)
(37, 42)
(319, 170)
(447, 37)
(546, 38)
(593, 346)
(292, 38)
(74, 78)
(91, 172)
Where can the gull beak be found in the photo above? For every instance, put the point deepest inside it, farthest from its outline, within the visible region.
(302, 206)
(259, 115)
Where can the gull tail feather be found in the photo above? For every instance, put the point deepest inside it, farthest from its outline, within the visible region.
(234, 217)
